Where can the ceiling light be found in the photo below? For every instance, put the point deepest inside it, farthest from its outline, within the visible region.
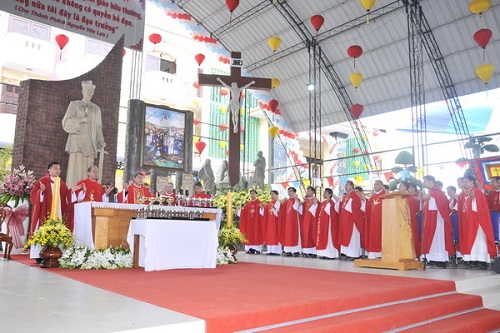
(310, 87)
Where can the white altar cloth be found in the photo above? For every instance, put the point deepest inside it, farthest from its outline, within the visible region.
(171, 244)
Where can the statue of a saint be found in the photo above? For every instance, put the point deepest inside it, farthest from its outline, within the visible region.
(206, 175)
(224, 183)
(260, 171)
(234, 102)
(83, 123)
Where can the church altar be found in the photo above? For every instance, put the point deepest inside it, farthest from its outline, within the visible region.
(99, 225)
(173, 244)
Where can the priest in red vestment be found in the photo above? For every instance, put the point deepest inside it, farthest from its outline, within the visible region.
(494, 195)
(327, 230)
(350, 223)
(308, 223)
(41, 199)
(373, 221)
(199, 192)
(251, 224)
(137, 190)
(91, 190)
(437, 243)
(478, 243)
(169, 194)
(270, 222)
(289, 224)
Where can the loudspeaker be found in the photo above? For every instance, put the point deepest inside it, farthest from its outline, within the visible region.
(496, 266)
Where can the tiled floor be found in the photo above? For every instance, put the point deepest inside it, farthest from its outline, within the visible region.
(39, 301)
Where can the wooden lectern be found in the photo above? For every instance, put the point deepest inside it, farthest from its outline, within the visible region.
(398, 251)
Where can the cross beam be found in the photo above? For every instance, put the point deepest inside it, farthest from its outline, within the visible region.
(241, 82)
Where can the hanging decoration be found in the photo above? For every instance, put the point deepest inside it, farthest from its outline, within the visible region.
(367, 5)
(196, 138)
(196, 85)
(155, 39)
(317, 22)
(223, 127)
(223, 108)
(376, 157)
(273, 131)
(482, 38)
(273, 105)
(357, 110)
(356, 150)
(485, 72)
(275, 82)
(232, 5)
(223, 144)
(224, 92)
(354, 51)
(356, 79)
(61, 41)
(356, 163)
(196, 121)
(479, 6)
(200, 146)
(196, 102)
(200, 57)
(274, 42)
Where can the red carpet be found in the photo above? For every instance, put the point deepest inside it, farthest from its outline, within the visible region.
(244, 296)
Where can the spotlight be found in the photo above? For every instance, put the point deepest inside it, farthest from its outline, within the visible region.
(310, 87)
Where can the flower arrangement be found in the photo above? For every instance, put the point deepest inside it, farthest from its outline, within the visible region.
(52, 233)
(230, 235)
(17, 185)
(224, 257)
(84, 258)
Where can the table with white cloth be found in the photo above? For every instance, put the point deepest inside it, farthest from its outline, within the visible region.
(100, 225)
(161, 244)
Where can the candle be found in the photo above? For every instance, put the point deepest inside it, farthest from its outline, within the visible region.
(229, 208)
(54, 209)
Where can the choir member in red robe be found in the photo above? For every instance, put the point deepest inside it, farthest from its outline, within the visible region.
(327, 230)
(271, 237)
(199, 192)
(136, 190)
(289, 224)
(437, 243)
(494, 195)
(350, 223)
(251, 224)
(308, 223)
(91, 190)
(478, 243)
(373, 221)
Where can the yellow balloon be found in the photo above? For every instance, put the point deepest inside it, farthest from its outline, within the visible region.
(274, 42)
(196, 102)
(242, 146)
(223, 109)
(356, 163)
(485, 72)
(222, 144)
(365, 166)
(356, 79)
(196, 139)
(273, 131)
(479, 6)
(242, 111)
(367, 4)
(275, 83)
(306, 182)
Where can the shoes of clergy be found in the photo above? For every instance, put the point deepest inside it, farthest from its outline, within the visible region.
(441, 264)
(272, 254)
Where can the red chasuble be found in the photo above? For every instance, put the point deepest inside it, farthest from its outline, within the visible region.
(348, 219)
(472, 220)
(271, 223)
(94, 192)
(373, 223)
(430, 221)
(307, 225)
(251, 223)
(289, 223)
(414, 207)
(494, 200)
(201, 195)
(41, 210)
(134, 193)
(171, 196)
(323, 223)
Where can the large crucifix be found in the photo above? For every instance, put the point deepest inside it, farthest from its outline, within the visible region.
(235, 84)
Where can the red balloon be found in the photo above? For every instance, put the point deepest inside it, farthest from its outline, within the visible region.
(375, 133)
(200, 145)
(155, 38)
(273, 104)
(354, 51)
(223, 127)
(482, 37)
(376, 157)
(356, 150)
(232, 4)
(357, 110)
(196, 84)
(317, 21)
(199, 58)
(196, 121)
(224, 92)
(62, 40)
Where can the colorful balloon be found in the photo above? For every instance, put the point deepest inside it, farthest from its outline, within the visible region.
(274, 42)
(317, 22)
(200, 57)
(485, 72)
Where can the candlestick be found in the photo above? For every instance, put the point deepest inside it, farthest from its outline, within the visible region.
(229, 208)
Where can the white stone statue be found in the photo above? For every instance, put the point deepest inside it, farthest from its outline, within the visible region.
(260, 171)
(224, 183)
(83, 123)
(206, 175)
(234, 102)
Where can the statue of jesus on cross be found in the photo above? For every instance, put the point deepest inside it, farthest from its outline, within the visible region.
(234, 102)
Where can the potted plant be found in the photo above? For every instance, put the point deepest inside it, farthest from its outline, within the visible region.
(52, 236)
(16, 186)
(230, 237)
